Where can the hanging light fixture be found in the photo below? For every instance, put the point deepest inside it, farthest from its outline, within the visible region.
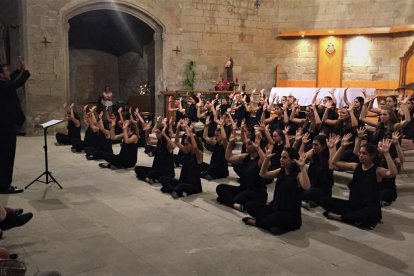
(257, 4)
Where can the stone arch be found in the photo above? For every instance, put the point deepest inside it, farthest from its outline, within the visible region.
(73, 9)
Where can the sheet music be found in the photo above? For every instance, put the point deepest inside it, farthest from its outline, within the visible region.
(51, 123)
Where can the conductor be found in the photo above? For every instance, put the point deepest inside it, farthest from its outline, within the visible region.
(11, 119)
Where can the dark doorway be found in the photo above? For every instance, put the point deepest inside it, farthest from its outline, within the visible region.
(108, 47)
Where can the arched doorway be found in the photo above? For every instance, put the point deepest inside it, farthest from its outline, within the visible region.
(112, 44)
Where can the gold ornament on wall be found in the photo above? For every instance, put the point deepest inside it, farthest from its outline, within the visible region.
(331, 48)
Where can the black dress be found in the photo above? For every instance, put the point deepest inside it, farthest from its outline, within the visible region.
(321, 178)
(74, 134)
(252, 187)
(218, 167)
(284, 211)
(163, 164)
(363, 207)
(189, 181)
(126, 158)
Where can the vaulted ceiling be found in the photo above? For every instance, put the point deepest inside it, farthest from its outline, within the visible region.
(109, 31)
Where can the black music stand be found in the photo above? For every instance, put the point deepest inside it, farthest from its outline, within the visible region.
(47, 173)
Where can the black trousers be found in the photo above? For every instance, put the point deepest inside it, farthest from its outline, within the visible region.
(7, 155)
(267, 218)
(116, 160)
(63, 139)
(170, 185)
(388, 195)
(144, 172)
(314, 194)
(369, 215)
(214, 170)
(228, 195)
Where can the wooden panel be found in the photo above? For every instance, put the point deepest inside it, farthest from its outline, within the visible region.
(347, 31)
(392, 84)
(277, 75)
(409, 71)
(297, 83)
(330, 64)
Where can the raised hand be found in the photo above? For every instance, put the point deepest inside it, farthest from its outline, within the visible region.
(345, 140)
(298, 135)
(262, 126)
(361, 132)
(351, 107)
(85, 107)
(333, 140)
(305, 138)
(286, 130)
(396, 137)
(126, 124)
(317, 91)
(65, 105)
(384, 146)
(207, 120)
(120, 110)
(164, 122)
(72, 105)
(301, 161)
(232, 138)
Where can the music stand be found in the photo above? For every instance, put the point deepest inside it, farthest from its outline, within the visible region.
(47, 173)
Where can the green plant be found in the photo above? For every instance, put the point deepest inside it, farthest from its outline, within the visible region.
(189, 72)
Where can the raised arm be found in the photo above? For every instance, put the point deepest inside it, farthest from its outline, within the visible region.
(264, 169)
(72, 116)
(384, 148)
(396, 142)
(120, 115)
(205, 133)
(230, 157)
(316, 95)
(332, 92)
(102, 128)
(318, 121)
(285, 133)
(331, 144)
(360, 135)
(354, 120)
(407, 116)
(128, 140)
(336, 163)
(303, 177)
(346, 97)
(177, 137)
(143, 123)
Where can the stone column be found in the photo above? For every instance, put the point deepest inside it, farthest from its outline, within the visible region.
(159, 82)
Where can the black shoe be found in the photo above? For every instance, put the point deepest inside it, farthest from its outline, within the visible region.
(18, 211)
(11, 190)
(175, 195)
(11, 220)
(246, 220)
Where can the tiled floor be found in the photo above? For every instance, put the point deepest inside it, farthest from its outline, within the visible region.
(107, 223)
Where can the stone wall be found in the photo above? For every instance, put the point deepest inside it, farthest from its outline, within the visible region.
(133, 71)
(374, 58)
(90, 71)
(207, 31)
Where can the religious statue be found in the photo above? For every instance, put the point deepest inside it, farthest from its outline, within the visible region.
(229, 69)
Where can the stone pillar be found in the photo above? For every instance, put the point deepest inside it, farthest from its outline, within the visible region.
(159, 82)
